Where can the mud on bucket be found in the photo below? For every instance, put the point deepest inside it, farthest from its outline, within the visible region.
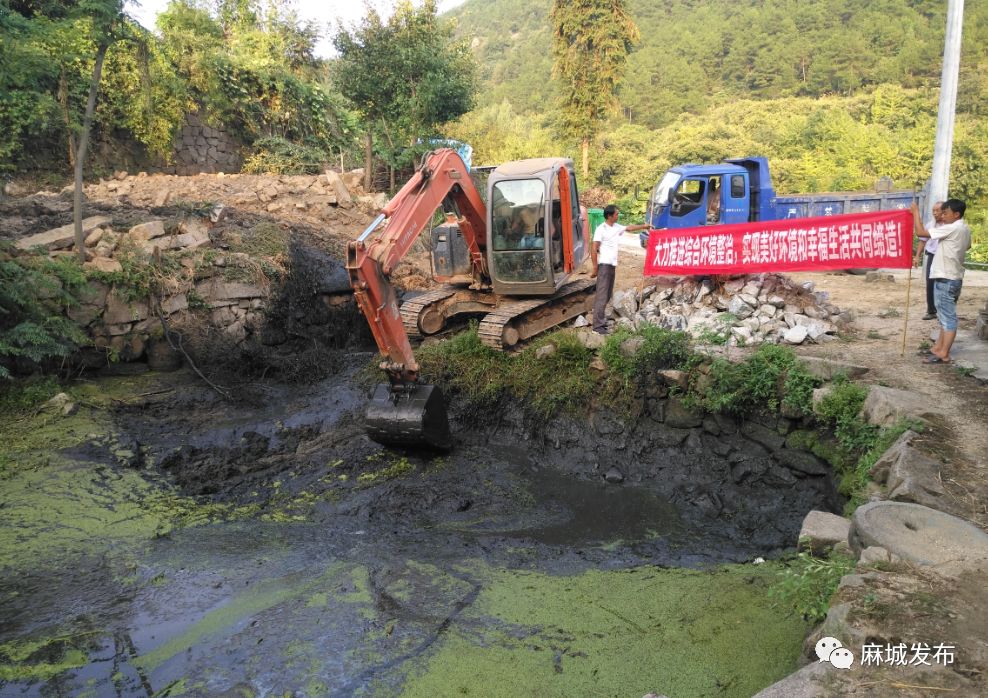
(416, 417)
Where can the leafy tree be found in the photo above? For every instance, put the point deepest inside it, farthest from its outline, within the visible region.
(255, 74)
(26, 106)
(497, 134)
(591, 42)
(107, 25)
(33, 292)
(406, 76)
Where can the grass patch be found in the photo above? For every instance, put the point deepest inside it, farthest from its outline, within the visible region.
(657, 349)
(21, 397)
(465, 366)
(559, 381)
(265, 239)
(770, 378)
(807, 583)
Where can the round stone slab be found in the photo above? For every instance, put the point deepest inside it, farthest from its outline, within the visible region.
(918, 534)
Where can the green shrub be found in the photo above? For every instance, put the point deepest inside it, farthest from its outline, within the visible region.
(798, 390)
(807, 583)
(768, 378)
(841, 409)
(33, 293)
(280, 156)
(854, 481)
(660, 349)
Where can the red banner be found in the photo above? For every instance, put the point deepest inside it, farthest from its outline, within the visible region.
(880, 239)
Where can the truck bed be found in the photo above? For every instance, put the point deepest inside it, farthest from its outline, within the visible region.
(837, 203)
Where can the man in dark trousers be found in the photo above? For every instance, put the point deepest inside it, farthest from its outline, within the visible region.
(604, 252)
(929, 245)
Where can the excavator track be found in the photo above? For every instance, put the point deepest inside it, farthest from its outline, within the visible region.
(513, 322)
(413, 309)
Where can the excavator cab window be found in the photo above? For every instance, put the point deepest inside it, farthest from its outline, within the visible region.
(518, 228)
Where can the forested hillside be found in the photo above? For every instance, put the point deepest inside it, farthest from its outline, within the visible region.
(837, 93)
(695, 54)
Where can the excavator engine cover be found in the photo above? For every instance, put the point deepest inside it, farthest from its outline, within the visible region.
(450, 254)
(412, 416)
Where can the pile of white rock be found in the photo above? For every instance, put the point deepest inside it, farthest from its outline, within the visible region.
(741, 311)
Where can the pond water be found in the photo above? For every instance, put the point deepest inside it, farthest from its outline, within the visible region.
(331, 567)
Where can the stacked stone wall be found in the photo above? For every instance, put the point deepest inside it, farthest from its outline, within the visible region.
(202, 148)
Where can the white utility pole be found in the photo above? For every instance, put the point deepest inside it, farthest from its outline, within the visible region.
(948, 103)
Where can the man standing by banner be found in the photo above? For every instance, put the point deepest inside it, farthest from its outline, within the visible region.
(927, 249)
(947, 271)
(604, 252)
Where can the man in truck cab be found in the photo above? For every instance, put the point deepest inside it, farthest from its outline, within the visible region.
(713, 202)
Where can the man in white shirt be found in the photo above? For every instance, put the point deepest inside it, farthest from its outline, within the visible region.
(604, 253)
(947, 271)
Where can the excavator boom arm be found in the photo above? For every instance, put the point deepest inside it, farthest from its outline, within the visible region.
(443, 174)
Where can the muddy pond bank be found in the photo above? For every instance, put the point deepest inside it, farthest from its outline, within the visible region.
(180, 545)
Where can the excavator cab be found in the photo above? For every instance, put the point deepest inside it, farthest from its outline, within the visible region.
(536, 230)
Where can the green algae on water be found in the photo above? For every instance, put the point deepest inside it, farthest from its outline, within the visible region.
(71, 509)
(616, 633)
(41, 660)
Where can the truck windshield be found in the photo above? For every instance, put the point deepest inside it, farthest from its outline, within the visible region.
(660, 195)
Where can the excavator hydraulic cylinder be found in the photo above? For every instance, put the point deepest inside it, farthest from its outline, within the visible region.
(409, 415)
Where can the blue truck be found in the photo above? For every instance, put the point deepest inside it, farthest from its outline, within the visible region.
(739, 190)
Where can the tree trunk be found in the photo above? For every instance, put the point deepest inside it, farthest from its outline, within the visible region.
(586, 158)
(368, 162)
(63, 100)
(80, 156)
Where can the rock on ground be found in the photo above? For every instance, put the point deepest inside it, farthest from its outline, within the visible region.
(822, 530)
(886, 406)
(920, 535)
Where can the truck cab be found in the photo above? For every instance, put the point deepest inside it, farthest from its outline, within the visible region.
(739, 190)
(691, 195)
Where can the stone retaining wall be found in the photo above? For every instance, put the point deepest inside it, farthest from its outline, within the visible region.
(202, 148)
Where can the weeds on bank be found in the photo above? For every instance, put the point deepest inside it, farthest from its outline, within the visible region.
(771, 378)
(21, 397)
(808, 582)
(860, 444)
(659, 349)
(561, 381)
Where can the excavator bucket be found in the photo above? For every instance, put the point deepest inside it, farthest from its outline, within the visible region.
(414, 416)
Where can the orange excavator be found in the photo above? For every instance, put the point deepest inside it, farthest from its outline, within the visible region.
(511, 261)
